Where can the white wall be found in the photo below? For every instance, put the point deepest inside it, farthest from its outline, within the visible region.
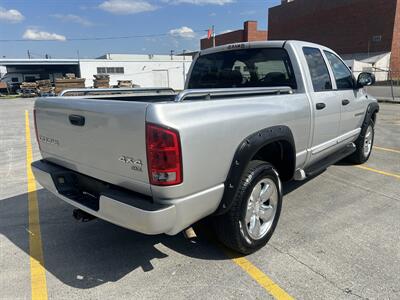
(3, 70)
(144, 71)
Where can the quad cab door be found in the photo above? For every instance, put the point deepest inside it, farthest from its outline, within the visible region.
(352, 99)
(326, 105)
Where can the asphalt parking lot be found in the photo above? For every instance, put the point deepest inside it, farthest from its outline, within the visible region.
(338, 237)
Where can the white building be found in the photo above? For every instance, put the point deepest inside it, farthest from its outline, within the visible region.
(377, 63)
(143, 70)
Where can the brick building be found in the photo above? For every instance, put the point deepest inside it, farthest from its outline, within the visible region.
(249, 33)
(351, 27)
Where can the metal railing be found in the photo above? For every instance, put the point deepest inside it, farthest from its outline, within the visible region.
(116, 91)
(209, 94)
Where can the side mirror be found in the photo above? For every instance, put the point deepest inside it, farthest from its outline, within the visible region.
(365, 79)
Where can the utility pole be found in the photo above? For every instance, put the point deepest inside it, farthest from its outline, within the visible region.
(213, 36)
(183, 65)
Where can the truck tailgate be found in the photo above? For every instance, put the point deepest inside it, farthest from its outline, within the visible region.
(104, 139)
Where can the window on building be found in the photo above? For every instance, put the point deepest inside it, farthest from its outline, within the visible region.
(343, 76)
(318, 70)
(110, 70)
(119, 70)
(259, 67)
(14, 79)
(377, 38)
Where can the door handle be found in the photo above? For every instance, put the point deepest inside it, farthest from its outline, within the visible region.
(320, 106)
(345, 102)
(76, 120)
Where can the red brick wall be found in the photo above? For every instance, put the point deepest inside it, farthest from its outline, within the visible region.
(248, 34)
(346, 26)
(222, 39)
(395, 59)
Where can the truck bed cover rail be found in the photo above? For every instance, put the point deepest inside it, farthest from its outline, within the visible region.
(210, 93)
(115, 91)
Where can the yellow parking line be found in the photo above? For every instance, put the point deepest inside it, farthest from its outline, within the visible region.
(387, 149)
(263, 280)
(379, 171)
(38, 273)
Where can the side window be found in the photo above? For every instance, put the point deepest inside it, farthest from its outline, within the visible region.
(343, 76)
(318, 69)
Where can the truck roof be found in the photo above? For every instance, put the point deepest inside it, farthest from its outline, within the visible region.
(258, 44)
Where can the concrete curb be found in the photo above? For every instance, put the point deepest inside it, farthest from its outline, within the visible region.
(389, 100)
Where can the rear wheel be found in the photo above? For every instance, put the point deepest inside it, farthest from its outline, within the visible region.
(364, 144)
(252, 219)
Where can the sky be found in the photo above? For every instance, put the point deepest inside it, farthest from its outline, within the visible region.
(72, 28)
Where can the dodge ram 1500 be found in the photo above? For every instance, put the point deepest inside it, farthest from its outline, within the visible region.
(252, 115)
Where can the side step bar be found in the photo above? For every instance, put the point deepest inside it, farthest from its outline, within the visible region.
(321, 165)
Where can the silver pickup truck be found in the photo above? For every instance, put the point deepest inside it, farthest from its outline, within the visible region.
(252, 115)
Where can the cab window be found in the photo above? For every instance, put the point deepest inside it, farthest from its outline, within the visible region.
(258, 67)
(320, 77)
(343, 76)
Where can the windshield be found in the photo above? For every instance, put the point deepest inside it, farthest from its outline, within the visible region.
(260, 67)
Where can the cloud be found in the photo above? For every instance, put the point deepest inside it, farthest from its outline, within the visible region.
(73, 19)
(126, 7)
(200, 2)
(36, 35)
(11, 15)
(183, 32)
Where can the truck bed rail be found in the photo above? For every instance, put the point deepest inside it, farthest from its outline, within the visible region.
(116, 91)
(216, 93)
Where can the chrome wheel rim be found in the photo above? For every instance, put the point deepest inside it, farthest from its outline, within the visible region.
(368, 141)
(261, 208)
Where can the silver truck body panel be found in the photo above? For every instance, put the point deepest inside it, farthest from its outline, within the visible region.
(111, 130)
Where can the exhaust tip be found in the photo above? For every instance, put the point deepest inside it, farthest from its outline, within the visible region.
(82, 216)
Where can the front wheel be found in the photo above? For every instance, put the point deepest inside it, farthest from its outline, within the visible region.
(252, 219)
(364, 144)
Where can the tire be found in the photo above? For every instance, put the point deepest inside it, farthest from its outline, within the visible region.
(252, 213)
(364, 144)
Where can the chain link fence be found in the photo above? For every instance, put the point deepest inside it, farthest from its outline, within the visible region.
(387, 86)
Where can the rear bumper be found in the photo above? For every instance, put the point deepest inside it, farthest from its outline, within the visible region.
(125, 208)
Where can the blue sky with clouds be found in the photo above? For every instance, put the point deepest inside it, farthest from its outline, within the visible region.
(164, 25)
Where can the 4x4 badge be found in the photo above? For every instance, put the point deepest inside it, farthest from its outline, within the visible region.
(136, 164)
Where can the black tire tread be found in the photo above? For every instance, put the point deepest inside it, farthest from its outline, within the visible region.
(225, 224)
(358, 156)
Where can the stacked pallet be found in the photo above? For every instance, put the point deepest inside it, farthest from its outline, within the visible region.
(68, 82)
(44, 87)
(124, 83)
(101, 81)
(29, 89)
(70, 75)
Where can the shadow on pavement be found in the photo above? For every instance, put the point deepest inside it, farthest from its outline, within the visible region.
(85, 255)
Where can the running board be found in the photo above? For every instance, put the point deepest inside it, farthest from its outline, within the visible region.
(330, 160)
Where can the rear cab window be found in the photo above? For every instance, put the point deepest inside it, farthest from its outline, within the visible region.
(319, 73)
(258, 67)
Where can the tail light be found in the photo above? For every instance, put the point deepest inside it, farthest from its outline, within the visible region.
(36, 130)
(164, 158)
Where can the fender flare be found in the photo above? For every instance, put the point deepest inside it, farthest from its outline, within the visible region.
(372, 108)
(245, 152)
